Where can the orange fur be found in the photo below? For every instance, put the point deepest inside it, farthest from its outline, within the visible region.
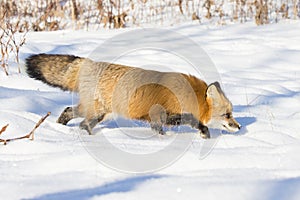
(132, 92)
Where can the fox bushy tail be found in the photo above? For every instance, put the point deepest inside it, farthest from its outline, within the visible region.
(55, 70)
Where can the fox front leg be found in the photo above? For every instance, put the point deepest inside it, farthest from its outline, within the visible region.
(186, 118)
(158, 128)
(204, 132)
(157, 115)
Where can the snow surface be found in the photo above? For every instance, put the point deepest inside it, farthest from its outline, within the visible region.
(260, 72)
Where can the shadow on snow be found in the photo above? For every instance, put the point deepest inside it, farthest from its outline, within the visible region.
(119, 186)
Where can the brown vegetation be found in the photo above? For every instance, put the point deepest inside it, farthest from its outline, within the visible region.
(51, 15)
(20, 16)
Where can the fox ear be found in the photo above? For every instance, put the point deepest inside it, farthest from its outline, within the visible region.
(213, 91)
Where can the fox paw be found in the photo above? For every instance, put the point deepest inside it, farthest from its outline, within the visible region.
(85, 126)
(204, 132)
(158, 128)
(65, 116)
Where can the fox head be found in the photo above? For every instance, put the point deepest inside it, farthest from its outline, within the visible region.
(221, 110)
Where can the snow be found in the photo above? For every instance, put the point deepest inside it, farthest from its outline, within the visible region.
(259, 69)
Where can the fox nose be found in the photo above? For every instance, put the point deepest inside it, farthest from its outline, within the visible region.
(235, 125)
(239, 126)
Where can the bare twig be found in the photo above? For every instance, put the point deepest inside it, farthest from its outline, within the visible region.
(3, 128)
(29, 135)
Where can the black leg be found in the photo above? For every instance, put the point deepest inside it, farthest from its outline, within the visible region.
(174, 119)
(204, 132)
(158, 116)
(177, 119)
(68, 114)
(88, 125)
(158, 128)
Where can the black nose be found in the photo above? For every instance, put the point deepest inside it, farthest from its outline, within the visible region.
(235, 125)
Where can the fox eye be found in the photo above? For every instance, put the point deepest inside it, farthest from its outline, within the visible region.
(227, 115)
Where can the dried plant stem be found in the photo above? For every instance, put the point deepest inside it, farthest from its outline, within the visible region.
(29, 135)
(3, 128)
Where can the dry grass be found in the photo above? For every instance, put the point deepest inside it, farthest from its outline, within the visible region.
(51, 15)
(20, 16)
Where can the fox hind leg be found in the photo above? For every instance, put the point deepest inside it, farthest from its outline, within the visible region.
(68, 114)
(89, 124)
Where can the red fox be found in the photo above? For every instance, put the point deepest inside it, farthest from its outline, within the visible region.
(165, 98)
